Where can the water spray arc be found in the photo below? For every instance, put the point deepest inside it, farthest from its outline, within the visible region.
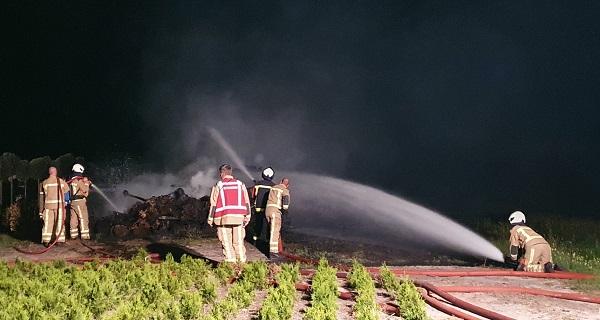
(336, 208)
(218, 138)
(105, 197)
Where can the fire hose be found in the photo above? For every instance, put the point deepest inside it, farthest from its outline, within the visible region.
(62, 224)
(488, 273)
(441, 306)
(427, 288)
(461, 303)
(56, 237)
(532, 291)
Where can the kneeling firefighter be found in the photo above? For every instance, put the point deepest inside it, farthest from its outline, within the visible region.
(80, 189)
(260, 196)
(278, 203)
(537, 255)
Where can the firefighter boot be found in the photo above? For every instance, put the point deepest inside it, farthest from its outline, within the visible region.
(548, 267)
(520, 267)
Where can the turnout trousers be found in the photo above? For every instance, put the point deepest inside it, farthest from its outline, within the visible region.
(232, 241)
(273, 216)
(80, 222)
(53, 223)
(536, 256)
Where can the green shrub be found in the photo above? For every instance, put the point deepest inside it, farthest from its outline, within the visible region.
(280, 300)
(360, 279)
(120, 289)
(410, 302)
(324, 293)
(225, 272)
(242, 292)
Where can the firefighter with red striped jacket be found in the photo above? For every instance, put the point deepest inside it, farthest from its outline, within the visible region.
(230, 213)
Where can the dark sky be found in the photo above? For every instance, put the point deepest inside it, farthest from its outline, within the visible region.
(464, 106)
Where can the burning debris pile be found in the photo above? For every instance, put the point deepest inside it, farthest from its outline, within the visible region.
(175, 214)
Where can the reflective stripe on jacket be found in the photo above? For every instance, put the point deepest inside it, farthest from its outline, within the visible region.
(229, 202)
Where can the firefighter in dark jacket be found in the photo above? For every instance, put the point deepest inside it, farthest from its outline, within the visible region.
(260, 196)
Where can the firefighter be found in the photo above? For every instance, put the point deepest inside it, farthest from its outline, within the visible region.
(52, 202)
(537, 256)
(260, 196)
(230, 213)
(278, 203)
(80, 189)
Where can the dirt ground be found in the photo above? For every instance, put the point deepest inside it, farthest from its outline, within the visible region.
(515, 306)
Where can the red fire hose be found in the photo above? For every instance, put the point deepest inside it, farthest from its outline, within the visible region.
(444, 307)
(454, 273)
(49, 246)
(487, 273)
(62, 225)
(532, 291)
(480, 273)
(461, 303)
(56, 236)
(458, 303)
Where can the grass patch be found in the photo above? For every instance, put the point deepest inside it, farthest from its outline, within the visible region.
(575, 243)
(9, 241)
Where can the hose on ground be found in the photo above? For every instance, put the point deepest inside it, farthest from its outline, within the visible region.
(520, 290)
(461, 303)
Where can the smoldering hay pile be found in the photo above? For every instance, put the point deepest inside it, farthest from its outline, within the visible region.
(175, 214)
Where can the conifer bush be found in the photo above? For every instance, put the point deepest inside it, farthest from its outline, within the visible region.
(410, 302)
(360, 279)
(279, 303)
(324, 293)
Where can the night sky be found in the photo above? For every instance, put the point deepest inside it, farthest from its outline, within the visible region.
(464, 106)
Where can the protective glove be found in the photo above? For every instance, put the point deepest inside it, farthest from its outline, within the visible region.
(210, 222)
(41, 215)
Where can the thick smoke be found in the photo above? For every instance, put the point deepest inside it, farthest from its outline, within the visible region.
(287, 107)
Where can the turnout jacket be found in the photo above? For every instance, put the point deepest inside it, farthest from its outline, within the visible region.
(279, 198)
(229, 203)
(52, 193)
(80, 189)
(260, 194)
(522, 236)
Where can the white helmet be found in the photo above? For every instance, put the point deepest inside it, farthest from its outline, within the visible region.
(268, 173)
(78, 168)
(516, 217)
